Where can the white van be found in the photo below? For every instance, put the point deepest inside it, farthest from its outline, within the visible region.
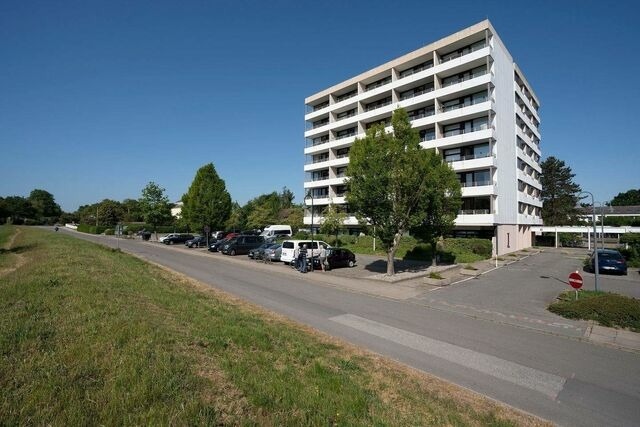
(289, 248)
(273, 231)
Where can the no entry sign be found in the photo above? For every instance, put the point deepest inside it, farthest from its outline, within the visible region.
(575, 280)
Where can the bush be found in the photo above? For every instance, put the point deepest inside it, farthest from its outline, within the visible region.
(91, 229)
(570, 240)
(481, 247)
(109, 232)
(606, 308)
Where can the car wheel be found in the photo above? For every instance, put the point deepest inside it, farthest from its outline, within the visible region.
(171, 242)
(351, 263)
(233, 252)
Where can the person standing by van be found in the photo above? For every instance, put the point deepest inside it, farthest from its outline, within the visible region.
(323, 257)
(302, 261)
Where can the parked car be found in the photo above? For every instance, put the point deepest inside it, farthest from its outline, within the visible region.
(289, 248)
(336, 257)
(257, 253)
(242, 244)
(177, 238)
(609, 261)
(273, 253)
(196, 242)
(217, 245)
(274, 231)
(163, 238)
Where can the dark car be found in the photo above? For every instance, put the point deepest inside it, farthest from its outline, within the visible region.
(217, 245)
(258, 253)
(196, 242)
(177, 238)
(609, 261)
(242, 244)
(336, 257)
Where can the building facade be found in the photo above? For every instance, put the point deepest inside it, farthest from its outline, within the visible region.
(469, 100)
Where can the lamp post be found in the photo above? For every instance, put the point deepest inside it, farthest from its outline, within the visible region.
(310, 196)
(602, 205)
(595, 245)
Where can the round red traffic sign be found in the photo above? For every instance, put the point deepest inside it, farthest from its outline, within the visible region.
(575, 280)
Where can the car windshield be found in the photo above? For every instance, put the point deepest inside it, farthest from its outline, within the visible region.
(610, 255)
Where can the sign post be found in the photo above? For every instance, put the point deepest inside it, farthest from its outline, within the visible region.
(575, 280)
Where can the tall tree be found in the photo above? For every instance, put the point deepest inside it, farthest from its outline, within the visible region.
(18, 209)
(332, 221)
(237, 219)
(45, 206)
(207, 202)
(131, 210)
(155, 206)
(559, 193)
(628, 198)
(388, 182)
(443, 202)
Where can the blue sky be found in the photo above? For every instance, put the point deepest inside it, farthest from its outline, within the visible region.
(97, 98)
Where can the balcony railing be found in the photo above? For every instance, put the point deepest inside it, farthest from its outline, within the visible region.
(413, 94)
(320, 124)
(320, 106)
(447, 108)
(316, 141)
(473, 212)
(372, 107)
(463, 131)
(346, 96)
(448, 57)
(422, 115)
(377, 84)
(346, 135)
(470, 157)
(411, 71)
(342, 156)
(338, 118)
(428, 137)
(464, 79)
(475, 183)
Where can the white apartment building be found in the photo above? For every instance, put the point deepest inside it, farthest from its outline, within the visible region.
(470, 101)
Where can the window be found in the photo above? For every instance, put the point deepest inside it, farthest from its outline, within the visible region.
(467, 75)
(427, 134)
(345, 133)
(346, 95)
(377, 83)
(420, 67)
(378, 104)
(417, 91)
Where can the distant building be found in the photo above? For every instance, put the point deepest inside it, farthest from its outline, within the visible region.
(467, 99)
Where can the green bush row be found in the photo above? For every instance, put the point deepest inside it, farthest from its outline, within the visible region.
(91, 229)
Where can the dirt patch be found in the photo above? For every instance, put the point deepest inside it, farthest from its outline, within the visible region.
(19, 258)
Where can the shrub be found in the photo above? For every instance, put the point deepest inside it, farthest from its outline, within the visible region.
(91, 229)
(481, 247)
(606, 308)
(109, 232)
(570, 240)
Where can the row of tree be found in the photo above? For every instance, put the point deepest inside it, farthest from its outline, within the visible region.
(39, 208)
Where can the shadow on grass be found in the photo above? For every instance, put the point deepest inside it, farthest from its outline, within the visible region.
(17, 249)
(415, 260)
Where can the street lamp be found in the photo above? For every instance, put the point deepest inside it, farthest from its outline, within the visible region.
(310, 196)
(595, 244)
(602, 215)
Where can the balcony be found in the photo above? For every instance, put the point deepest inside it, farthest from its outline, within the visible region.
(466, 51)
(415, 93)
(375, 106)
(464, 79)
(478, 189)
(376, 85)
(454, 132)
(346, 135)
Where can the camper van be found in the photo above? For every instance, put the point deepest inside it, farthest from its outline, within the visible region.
(273, 231)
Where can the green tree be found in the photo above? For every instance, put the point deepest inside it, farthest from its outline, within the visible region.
(389, 181)
(559, 193)
(443, 200)
(18, 209)
(332, 221)
(628, 198)
(207, 202)
(45, 207)
(237, 219)
(131, 211)
(155, 206)
(293, 216)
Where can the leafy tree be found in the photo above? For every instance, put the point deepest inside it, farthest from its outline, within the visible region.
(131, 210)
(443, 200)
(293, 216)
(261, 215)
(389, 182)
(155, 206)
(45, 207)
(333, 221)
(18, 209)
(286, 198)
(237, 220)
(4, 213)
(207, 202)
(628, 198)
(559, 193)
(105, 213)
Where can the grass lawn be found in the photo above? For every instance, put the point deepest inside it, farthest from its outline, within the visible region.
(606, 308)
(90, 335)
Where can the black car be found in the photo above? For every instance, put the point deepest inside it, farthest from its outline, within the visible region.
(241, 244)
(177, 238)
(217, 245)
(336, 257)
(196, 242)
(258, 253)
(609, 261)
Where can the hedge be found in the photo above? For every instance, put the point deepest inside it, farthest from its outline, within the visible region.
(91, 229)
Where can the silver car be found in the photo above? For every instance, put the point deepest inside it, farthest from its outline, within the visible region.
(273, 253)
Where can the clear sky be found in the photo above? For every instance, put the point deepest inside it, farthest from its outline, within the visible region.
(97, 98)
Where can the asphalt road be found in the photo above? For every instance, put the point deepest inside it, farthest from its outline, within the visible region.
(491, 335)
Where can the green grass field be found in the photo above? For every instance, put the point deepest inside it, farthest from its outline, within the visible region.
(90, 335)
